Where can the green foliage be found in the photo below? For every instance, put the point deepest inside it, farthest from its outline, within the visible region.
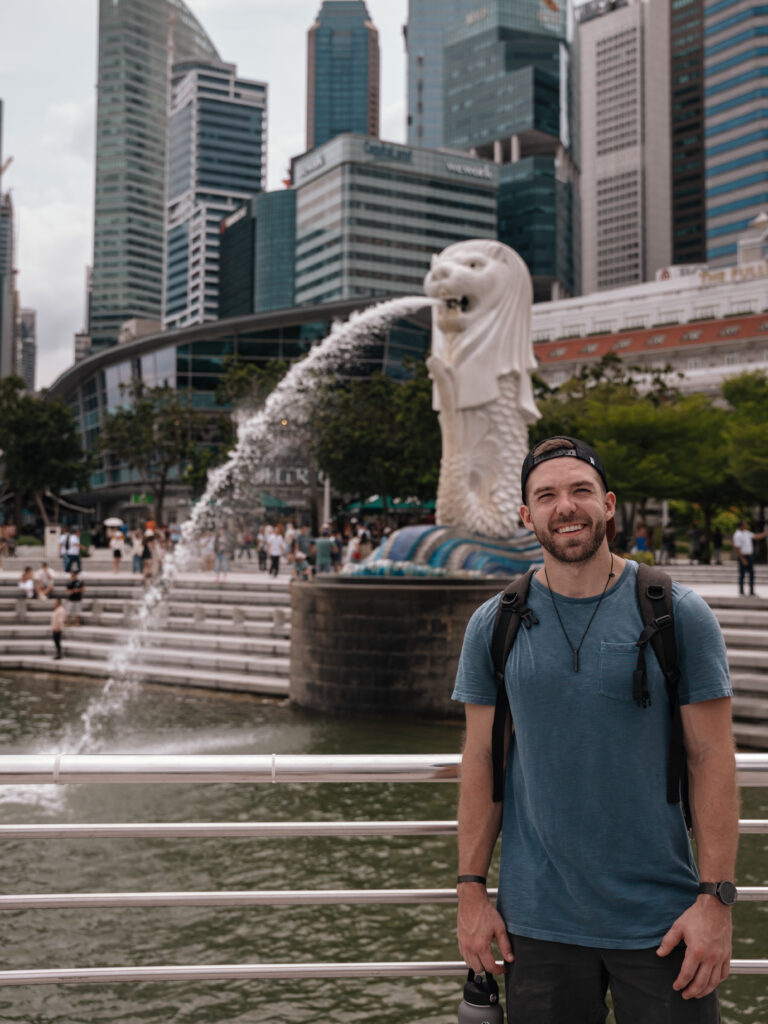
(248, 384)
(40, 445)
(643, 557)
(746, 431)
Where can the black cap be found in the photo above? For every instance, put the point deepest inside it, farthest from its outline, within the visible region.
(572, 448)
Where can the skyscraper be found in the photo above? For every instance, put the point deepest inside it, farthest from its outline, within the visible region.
(507, 83)
(342, 72)
(26, 329)
(625, 142)
(217, 150)
(131, 121)
(7, 288)
(689, 228)
(736, 118)
(424, 45)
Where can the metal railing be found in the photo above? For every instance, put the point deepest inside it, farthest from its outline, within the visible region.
(104, 769)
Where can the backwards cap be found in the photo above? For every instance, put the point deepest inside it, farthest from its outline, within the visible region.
(572, 448)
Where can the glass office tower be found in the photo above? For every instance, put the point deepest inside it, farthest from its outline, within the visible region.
(508, 97)
(138, 40)
(427, 20)
(736, 118)
(216, 160)
(686, 31)
(342, 72)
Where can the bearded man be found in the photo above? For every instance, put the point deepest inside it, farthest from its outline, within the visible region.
(598, 887)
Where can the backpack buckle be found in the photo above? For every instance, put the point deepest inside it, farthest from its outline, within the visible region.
(663, 622)
(655, 591)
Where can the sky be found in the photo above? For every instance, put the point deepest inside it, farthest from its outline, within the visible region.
(48, 66)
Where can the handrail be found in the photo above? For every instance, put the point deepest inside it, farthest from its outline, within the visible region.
(65, 769)
(292, 972)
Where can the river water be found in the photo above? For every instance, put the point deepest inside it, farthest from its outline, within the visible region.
(41, 716)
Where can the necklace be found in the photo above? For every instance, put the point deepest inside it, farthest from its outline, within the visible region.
(592, 618)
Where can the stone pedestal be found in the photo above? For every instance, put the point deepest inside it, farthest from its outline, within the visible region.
(381, 646)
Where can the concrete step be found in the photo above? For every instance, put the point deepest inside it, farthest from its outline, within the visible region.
(742, 618)
(186, 595)
(750, 735)
(751, 709)
(748, 659)
(41, 610)
(742, 638)
(750, 683)
(259, 684)
(237, 644)
(118, 624)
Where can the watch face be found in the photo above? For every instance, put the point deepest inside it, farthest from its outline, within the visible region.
(726, 892)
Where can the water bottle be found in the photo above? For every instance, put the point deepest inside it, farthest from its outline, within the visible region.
(480, 1004)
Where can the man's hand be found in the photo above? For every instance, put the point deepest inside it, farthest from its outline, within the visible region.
(478, 924)
(706, 929)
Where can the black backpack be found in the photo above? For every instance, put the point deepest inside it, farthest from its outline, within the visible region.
(654, 595)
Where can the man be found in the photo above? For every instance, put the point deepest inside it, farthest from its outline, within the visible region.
(744, 546)
(73, 550)
(598, 887)
(75, 591)
(44, 581)
(63, 545)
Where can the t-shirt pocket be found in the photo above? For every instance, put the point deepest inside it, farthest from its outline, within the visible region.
(617, 665)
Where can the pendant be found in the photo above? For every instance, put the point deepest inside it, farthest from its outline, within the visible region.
(575, 661)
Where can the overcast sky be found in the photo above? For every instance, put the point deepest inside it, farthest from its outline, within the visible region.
(47, 84)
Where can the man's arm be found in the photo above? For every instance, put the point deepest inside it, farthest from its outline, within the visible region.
(478, 921)
(706, 926)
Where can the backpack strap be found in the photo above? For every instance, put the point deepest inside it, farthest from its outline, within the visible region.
(511, 611)
(654, 595)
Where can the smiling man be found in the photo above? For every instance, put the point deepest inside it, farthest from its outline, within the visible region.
(598, 886)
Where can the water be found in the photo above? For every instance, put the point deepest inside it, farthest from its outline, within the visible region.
(39, 716)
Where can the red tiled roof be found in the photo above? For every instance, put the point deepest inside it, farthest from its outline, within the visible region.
(652, 339)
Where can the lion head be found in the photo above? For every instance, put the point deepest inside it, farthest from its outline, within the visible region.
(481, 323)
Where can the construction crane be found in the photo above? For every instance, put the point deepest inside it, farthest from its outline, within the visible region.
(3, 169)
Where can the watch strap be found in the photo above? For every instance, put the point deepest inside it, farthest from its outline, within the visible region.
(471, 878)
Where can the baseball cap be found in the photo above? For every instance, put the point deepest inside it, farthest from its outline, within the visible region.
(572, 448)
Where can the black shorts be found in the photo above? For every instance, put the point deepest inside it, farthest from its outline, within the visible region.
(557, 983)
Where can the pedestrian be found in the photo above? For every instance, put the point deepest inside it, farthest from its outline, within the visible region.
(137, 542)
(641, 536)
(147, 555)
(63, 545)
(75, 591)
(694, 540)
(598, 887)
(717, 545)
(207, 549)
(744, 546)
(223, 548)
(57, 626)
(27, 582)
(261, 548)
(276, 546)
(324, 549)
(301, 568)
(667, 544)
(44, 581)
(73, 550)
(117, 547)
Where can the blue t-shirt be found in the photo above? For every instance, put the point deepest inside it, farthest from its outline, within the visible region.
(592, 853)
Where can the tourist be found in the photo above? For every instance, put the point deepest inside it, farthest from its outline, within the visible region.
(598, 886)
(58, 618)
(744, 548)
(27, 582)
(44, 581)
(73, 550)
(641, 536)
(147, 552)
(324, 552)
(223, 548)
(137, 541)
(717, 545)
(261, 548)
(117, 547)
(668, 544)
(301, 567)
(63, 544)
(207, 550)
(276, 546)
(75, 591)
(694, 542)
(337, 551)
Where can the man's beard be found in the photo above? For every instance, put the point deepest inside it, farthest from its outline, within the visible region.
(556, 544)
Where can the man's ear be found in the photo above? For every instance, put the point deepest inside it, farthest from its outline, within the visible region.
(525, 515)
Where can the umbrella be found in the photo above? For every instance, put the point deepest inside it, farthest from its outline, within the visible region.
(113, 521)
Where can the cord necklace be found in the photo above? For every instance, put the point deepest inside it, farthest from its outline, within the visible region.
(594, 613)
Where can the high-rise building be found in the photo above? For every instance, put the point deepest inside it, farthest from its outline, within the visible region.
(686, 40)
(424, 46)
(26, 329)
(7, 288)
(217, 149)
(508, 85)
(342, 72)
(258, 256)
(370, 215)
(626, 210)
(138, 39)
(736, 118)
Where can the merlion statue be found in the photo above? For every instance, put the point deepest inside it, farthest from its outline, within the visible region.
(481, 362)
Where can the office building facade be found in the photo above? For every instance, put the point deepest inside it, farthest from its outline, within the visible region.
(686, 40)
(736, 115)
(26, 334)
(258, 256)
(216, 161)
(625, 142)
(508, 97)
(138, 40)
(370, 214)
(342, 72)
(424, 46)
(8, 362)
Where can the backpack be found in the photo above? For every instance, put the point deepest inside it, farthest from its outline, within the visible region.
(654, 596)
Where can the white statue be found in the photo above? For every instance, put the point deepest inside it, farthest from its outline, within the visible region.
(481, 362)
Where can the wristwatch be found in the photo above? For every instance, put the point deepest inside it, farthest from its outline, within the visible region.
(726, 892)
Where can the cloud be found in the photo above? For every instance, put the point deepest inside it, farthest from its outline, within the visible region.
(393, 121)
(68, 131)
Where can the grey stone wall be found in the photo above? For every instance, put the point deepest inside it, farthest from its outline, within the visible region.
(380, 645)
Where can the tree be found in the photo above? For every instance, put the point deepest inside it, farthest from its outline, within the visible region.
(154, 435)
(248, 384)
(746, 431)
(40, 444)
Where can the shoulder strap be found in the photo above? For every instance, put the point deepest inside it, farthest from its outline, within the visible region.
(511, 611)
(654, 595)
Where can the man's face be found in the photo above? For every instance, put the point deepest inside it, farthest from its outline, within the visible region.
(567, 508)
